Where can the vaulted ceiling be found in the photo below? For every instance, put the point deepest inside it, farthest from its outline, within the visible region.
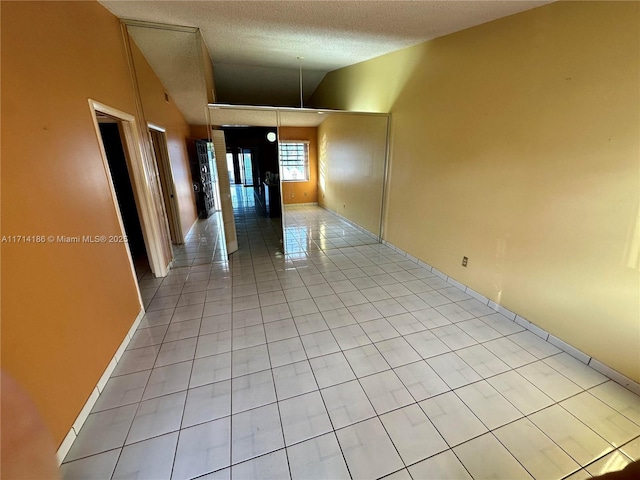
(255, 45)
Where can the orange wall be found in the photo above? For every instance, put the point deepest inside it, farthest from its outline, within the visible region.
(302, 192)
(66, 307)
(199, 131)
(166, 115)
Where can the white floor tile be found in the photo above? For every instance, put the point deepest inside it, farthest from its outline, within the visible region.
(503, 465)
(317, 459)
(453, 419)
(632, 449)
(453, 370)
(273, 466)
(548, 380)
(535, 451)
(207, 403)
(413, 434)
(576, 371)
(510, 353)
(256, 432)
(620, 399)
(304, 417)
(170, 379)
(312, 323)
(287, 351)
(605, 421)
(379, 330)
(444, 466)
(175, 352)
(520, 392)
(331, 369)
(213, 344)
(613, 462)
(385, 391)
(294, 379)
(421, 380)
(489, 406)
(351, 336)
(203, 449)
(368, 450)
(534, 344)
(427, 344)
(122, 390)
(406, 323)
(249, 360)
(157, 416)
(151, 458)
(397, 352)
(366, 360)
(319, 343)
(573, 436)
(102, 431)
(485, 363)
(95, 467)
(346, 404)
(251, 391)
(210, 369)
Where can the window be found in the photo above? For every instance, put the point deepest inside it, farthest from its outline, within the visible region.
(294, 160)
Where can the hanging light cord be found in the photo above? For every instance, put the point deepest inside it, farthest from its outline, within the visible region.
(301, 97)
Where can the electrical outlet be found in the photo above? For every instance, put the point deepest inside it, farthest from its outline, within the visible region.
(465, 260)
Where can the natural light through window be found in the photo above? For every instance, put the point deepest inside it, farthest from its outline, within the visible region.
(294, 161)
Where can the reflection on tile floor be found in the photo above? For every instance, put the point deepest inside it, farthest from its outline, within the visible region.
(340, 361)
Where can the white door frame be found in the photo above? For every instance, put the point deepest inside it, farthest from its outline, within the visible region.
(132, 144)
(161, 153)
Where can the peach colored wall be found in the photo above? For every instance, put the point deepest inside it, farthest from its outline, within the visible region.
(302, 192)
(516, 143)
(351, 167)
(65, 307)
(166, 114)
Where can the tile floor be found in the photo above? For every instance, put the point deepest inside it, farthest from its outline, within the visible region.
(340, 360)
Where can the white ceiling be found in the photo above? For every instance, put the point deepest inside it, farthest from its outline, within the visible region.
(254, 45)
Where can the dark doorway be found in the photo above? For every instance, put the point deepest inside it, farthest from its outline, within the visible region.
(110, 132)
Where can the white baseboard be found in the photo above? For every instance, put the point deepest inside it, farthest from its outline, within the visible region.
(310, 204)
(97, 390)
(514, 317)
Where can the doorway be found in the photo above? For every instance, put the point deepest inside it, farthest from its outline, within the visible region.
(161, 153)
(143, 178)
(110, 131)
(240, 165)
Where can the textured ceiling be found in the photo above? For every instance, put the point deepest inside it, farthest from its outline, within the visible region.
(254, 45)
(179, 64)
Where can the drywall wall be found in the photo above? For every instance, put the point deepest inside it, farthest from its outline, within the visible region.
(516, 143)
(351, 164)
(302, 192)
(165, 114)
(66, 307)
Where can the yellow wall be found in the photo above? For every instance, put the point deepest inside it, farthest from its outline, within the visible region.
(516, 143)
(352, 150)
(302, 192)
(65, 307)
(166, 115)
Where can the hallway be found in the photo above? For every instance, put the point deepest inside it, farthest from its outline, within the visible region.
(341, 359)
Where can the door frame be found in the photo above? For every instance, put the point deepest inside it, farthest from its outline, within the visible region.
(161, 152)
(145, 203)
